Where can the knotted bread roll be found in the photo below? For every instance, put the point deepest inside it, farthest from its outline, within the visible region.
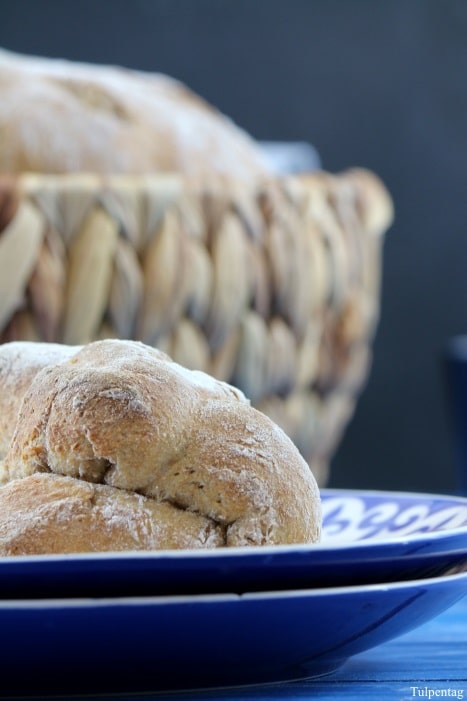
(113, 446)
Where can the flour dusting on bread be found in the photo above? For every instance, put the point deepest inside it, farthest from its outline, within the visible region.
(137, 452)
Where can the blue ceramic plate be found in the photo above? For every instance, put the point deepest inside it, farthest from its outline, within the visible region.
(145, 644)
(368, 537)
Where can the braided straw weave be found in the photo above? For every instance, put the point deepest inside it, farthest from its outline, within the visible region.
(275, 290)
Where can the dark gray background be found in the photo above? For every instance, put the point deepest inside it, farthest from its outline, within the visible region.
(373, 83)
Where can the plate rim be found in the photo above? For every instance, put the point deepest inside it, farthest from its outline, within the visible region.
(220, 597)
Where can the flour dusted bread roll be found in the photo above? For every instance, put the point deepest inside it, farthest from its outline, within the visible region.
(59, 116)
(48, 513)
(19, 364)
(113, 446)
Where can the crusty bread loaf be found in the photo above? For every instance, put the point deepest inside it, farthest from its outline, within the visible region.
(59, 116)
(48, 513)
(19, 363)
(113, 446)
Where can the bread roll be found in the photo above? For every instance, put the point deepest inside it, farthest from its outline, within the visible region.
(19, 363)
(59, 116)
(113, 446)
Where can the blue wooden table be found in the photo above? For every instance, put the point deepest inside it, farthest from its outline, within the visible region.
(427, 663)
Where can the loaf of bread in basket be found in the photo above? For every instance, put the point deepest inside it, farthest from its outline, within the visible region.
(131, 209)
(60, 116)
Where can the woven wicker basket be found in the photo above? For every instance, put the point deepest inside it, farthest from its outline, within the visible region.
(275, 290)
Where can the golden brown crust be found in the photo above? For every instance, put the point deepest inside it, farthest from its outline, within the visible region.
(51, 514)
(124, 416)
(18, 367)
(105, 119)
